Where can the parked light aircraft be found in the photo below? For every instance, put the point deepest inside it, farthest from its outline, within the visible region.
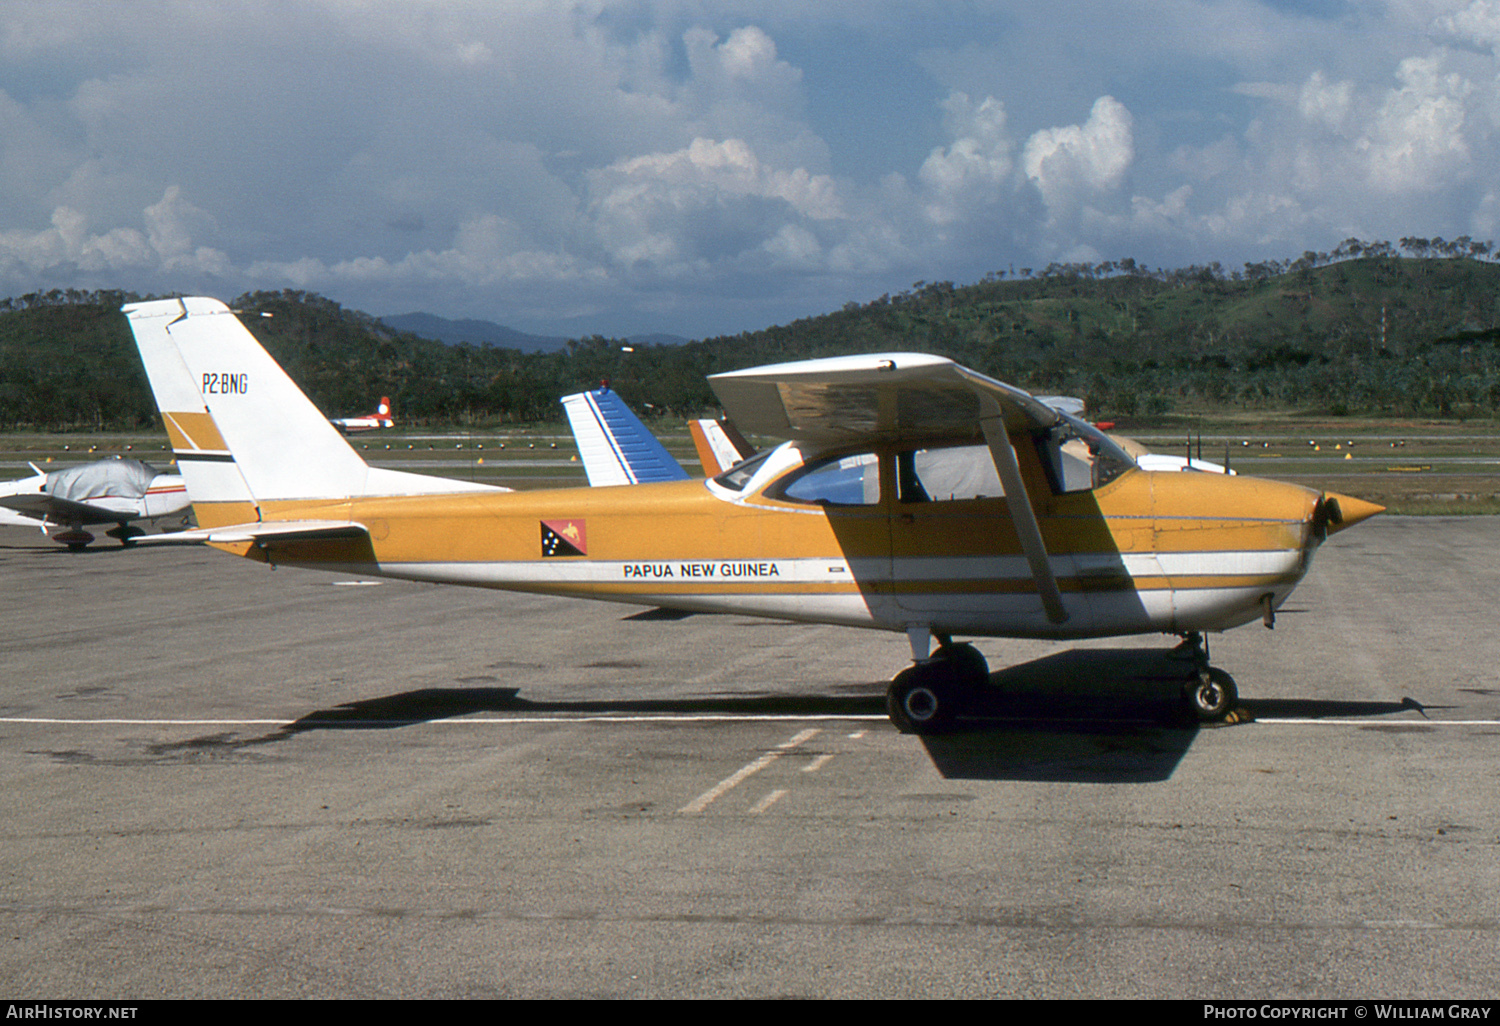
(109, 491)
(913, 495)
(381, 418)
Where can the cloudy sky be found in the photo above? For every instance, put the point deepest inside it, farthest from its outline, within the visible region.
(708, 168)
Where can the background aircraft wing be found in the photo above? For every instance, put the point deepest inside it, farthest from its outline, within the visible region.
(884, 397)
(50, 507)
(616, 448)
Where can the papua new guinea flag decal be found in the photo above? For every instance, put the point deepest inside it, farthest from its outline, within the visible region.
(564, 538)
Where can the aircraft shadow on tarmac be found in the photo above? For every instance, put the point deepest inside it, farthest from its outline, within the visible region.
(1100, 716)
(1090, 715)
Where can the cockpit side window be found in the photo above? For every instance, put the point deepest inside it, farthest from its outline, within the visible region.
(842, 481)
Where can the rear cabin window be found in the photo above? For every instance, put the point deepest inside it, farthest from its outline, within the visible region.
(941, 475)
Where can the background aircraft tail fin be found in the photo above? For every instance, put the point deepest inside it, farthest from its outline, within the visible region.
(616, 448)
(720, 445)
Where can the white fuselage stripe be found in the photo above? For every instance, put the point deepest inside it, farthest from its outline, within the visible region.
(738, 575)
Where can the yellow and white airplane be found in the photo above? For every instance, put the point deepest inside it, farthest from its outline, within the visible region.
(913, 495)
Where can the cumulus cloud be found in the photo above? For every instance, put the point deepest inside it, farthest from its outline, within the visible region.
(1417, 136)
(69, 244)
(973, 170)
(1477, 23)
(619, 154)
(1072, 163)
(710, 200)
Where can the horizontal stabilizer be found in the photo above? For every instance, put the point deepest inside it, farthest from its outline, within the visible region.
(257, 531)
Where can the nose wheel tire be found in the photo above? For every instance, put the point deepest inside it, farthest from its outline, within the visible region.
(1211, 695)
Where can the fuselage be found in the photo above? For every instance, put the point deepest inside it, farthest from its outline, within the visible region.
(1144, 552)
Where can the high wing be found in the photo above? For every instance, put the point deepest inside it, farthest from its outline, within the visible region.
(616, 448)
(905, 398)
(883, 397)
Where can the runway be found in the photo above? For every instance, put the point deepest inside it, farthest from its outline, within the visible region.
(219, 780)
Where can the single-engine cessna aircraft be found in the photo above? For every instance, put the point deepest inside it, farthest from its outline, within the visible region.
(912, 495)
(109, 491)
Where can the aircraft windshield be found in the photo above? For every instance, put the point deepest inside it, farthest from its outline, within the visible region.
(1081, 456)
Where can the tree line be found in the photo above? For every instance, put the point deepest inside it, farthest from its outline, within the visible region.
(1407, 330)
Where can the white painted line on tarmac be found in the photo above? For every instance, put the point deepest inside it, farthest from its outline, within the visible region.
(766, 802)
(705, 799)
(1309, 721)
(453, 721)
(142, 723)
(506, 721)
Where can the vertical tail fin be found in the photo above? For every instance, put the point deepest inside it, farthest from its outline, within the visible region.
(616, 448)
(720, 445)
(218, 489)
(243, 432)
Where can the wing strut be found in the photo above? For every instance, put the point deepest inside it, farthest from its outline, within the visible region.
(1021, 513)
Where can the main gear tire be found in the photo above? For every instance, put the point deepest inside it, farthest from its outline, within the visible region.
(921, 699)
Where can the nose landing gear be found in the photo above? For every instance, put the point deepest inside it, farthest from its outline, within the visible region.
(1209, 695)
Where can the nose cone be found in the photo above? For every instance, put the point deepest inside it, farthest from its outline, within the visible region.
(1346, 511)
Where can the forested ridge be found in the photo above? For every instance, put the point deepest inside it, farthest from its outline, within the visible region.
(1371, 328)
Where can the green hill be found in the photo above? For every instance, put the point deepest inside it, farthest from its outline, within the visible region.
(1362, 331)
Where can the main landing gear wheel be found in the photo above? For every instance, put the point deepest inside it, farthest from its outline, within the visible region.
(126, 533)
(966, 663)
(1211, 695)
(926, 698)
(920, 700)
